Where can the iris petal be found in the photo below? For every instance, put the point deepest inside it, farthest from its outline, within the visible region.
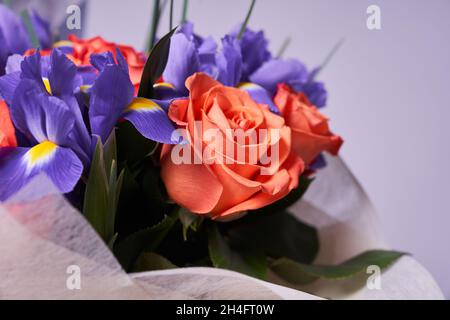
(62, 74)
(8, 84)
(229, 62)
(259, 94)
(110, 95)
(151, 121)
(40, 116)
(19, 165)
(276, 71)
(183, 61)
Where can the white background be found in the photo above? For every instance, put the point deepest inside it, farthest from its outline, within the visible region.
(389, 95)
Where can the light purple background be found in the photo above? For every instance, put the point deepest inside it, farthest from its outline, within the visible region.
(389, 95)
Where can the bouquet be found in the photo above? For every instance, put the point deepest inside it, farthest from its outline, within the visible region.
(189, 155)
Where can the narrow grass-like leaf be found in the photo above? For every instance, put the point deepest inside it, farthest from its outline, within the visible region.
(95, 207)
(155, 65)
(299, 273)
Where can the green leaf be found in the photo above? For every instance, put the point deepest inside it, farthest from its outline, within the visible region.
(149, 261)
(277, 234)
(103, 189)
(96, 205)
(189, 220)
(155, 65)
(110, 151)
(299, 273)
(151, 186)
(132, 147)
(112, 241)
(129, 249)
(252, 263)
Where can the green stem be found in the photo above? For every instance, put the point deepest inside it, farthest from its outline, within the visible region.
(283, 47)
(330, 56)
(154, 27)
(247, 18)
(171, 15)
(185, 9)
(29, 25)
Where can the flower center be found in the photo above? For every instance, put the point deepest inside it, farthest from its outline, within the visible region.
(243, 121)
(41, 152)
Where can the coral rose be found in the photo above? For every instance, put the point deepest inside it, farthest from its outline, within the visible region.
(83, 49)
(224, 184)
(310, 132)
(80, 51)
(7, 132)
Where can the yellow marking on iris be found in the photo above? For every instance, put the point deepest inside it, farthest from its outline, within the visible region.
(142, 104)
(247, 85)
(41, 152)
(63, 43)
(164, 85)
(85, 87)
(47, 85)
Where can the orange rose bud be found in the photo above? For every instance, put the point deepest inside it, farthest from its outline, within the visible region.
(223, 184)
(7, 132)
(310, 132)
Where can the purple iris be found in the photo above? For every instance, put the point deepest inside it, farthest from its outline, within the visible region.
(14, 37)
(254, 50)
(112, 99)
(54, 76)
(48, 124)
(264, 70)
(245, 62)
(189, 53)
(55, 130)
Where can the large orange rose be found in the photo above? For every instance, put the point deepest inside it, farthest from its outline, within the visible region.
(7, 132)
(223, 185)
(310, 132)
(82, 50)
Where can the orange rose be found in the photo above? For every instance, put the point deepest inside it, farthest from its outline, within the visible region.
(226, 183)
(310, 132)
(82, 50)
(7, 132)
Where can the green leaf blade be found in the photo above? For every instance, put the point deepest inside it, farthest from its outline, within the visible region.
(299, 273)
(149, 261)
(222, 256)
(128, 250)
(95, 207)
(155, 65)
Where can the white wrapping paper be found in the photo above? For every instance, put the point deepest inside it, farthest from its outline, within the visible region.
(43, 238)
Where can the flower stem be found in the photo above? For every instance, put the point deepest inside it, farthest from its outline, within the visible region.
(330, 56)
(247, 18)
(29, 25)
(185, 9)
(171, 15)
(154, 27)
(283, 47)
